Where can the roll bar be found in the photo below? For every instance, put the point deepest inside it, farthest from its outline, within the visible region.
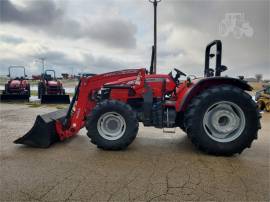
(14, 67)
(208, 72)
(50, 70)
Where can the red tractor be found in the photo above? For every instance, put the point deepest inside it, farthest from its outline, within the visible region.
(50, 90)
(17, 88)
(217, 114)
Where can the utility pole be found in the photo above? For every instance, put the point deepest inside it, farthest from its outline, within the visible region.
(155, 3)
(42, 61)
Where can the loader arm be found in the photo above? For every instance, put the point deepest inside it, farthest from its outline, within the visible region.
(84, 99)
(62, 124)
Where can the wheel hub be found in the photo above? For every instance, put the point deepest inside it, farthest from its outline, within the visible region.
(111, 126)
(224, 121)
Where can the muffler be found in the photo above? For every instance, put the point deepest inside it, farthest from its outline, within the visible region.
(43, 133)
(55, 99)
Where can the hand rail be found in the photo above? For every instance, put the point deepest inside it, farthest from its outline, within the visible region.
(208, 72)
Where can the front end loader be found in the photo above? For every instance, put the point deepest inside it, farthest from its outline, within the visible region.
(219, 117)
(17, 87)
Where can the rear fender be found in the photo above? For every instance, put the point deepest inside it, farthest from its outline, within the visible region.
(202, 84)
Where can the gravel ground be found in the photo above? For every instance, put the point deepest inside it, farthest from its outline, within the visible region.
(156, 167)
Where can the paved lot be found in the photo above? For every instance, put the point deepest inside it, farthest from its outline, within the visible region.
(155, 167)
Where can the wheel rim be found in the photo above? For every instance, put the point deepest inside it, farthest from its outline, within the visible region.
(224, 121)
(111, 126)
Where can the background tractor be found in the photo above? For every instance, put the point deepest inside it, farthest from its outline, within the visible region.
(217, 114)
(17, 87)
(50, 90)
(263, 98)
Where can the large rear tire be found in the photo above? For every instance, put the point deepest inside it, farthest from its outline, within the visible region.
(112, 125)
(222, 120)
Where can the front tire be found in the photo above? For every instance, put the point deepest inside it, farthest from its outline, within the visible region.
(40, 90)
(28, 91)
(6, 89)
(222, 120)
(112, 125)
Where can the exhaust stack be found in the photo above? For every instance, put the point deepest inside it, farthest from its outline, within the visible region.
(153, 68)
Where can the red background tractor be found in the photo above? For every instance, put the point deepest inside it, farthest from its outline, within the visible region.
(50, 90)
(17, 88)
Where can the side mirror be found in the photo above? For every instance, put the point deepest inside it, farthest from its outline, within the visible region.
(25, 75)
(8, 75)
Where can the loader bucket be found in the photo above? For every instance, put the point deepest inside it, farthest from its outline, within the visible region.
(55, 99)
(11, 97)
(43, 133)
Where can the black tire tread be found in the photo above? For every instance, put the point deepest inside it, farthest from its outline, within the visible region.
(191, 112)
(94, 113)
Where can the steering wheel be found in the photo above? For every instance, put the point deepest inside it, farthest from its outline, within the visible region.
(178, 74)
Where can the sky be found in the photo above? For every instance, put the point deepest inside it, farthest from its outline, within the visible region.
(100, 36)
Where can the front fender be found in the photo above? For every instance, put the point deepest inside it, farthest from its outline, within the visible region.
(204, 83)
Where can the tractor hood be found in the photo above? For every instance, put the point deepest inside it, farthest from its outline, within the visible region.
(52, 83)
(17, 83)
(151, 79)
(127, 80)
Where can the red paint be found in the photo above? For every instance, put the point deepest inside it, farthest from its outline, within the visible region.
(17, 86)
(137, 80)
